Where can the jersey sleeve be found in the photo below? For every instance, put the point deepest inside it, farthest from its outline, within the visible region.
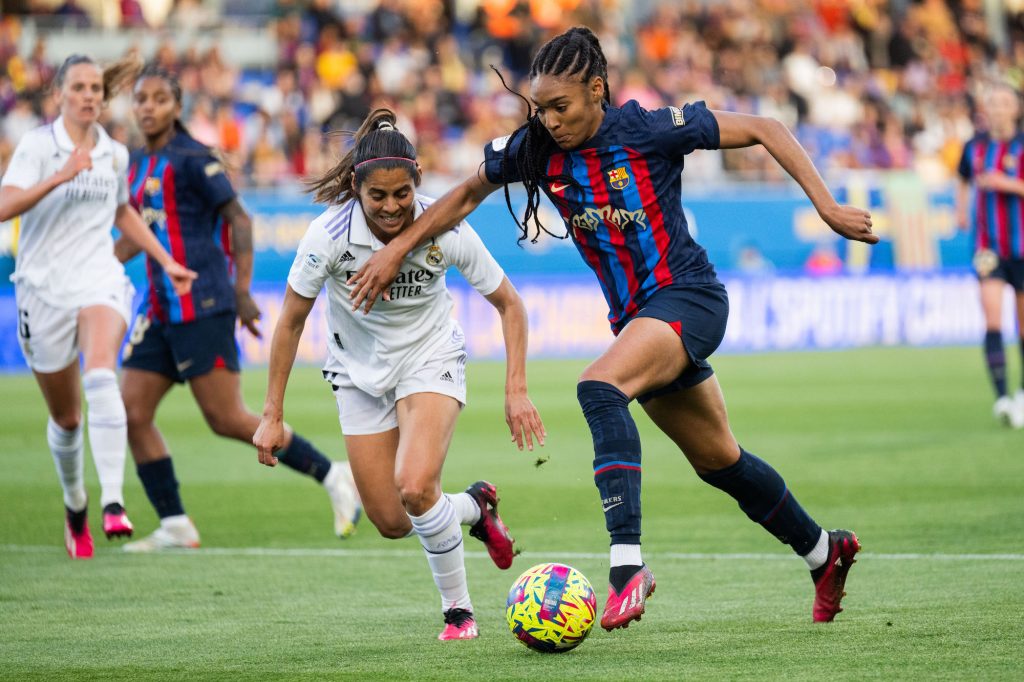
(680, 130)
(496, 168)
(964, 168)
(313, 262)
(466, 251)
(212, 180)
(26, 167)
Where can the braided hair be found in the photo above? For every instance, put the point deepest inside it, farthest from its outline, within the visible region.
(575, 53)
(378, 144)
(154, 70)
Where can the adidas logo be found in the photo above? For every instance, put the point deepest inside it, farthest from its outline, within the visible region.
(347, 256)
(447, 376)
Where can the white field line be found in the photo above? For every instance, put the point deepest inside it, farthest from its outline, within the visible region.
(533, 555)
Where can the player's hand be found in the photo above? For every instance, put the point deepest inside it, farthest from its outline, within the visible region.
(523, 421)
(181, 277)
(374, 278)
(79, 161)
(993, 181)
(248, 312)
(268, 439)
(850, 222)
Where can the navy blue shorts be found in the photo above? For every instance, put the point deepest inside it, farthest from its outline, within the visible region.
(1010, 270)
(698, 313)
(182, 351)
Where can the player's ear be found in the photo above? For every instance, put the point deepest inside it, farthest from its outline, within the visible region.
(596, 89)
(418, 175)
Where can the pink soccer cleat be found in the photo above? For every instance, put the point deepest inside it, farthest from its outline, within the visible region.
(115, 522)
(830, 578)
(489, 529)
(77, 538)
(459, 624)
(628, 605)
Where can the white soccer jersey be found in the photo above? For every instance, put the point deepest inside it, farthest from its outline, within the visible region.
(65, 249)
(397, 336)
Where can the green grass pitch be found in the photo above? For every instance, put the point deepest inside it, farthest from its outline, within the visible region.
(898, 444)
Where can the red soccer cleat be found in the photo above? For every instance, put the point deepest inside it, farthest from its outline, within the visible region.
(115, 522)
(489, 529)
(628, 605)
(77, 538)
(459, 624)
(830, 578)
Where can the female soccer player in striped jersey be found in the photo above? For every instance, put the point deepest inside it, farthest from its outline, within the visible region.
(614, 174)
(67, 182)
(183, 193)
(994, 161)
(399, 374)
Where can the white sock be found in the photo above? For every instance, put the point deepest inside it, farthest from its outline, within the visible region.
(69, 456)
(819, 555)
(441, 536)
(625, 555)
(176, 521)
(466, 508)
(108, 432)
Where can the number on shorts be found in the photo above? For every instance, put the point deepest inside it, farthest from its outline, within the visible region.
(23, 324)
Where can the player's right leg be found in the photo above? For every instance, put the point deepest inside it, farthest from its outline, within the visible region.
(47, 339)
(1004, 409)
(143, 391)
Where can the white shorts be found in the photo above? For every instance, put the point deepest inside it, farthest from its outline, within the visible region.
(48, 335)
(362, 414)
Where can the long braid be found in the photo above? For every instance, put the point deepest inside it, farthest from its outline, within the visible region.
(578, 53)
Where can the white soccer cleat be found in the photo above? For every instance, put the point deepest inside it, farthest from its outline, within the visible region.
(167, 536)
(341, 488)
(1010, 411)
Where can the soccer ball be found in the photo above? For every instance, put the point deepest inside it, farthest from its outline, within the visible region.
(551, 608)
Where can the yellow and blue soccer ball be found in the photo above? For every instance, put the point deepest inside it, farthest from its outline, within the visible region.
(551, 608)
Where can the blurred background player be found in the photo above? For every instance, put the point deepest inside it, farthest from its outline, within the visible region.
(399, 374)
(182, 192)
(993, 160)
(614, 174)
(67, 182)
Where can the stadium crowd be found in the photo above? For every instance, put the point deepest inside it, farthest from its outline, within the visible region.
(863, 83)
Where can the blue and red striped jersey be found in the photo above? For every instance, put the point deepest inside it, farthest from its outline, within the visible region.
(624, 211)
(179, 191)
(997, 217)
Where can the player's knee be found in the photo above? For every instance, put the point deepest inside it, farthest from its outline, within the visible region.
(418, 496)
(69, 421)
(137, 416)
(226, 426)
(394, 530)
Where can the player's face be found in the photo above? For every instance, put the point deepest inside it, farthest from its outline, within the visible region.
(154, 106)
(387, 196)
(81, 95)
(1002, 109)
(570, 109)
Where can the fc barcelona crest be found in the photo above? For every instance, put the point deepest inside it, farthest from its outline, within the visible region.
(618, 178)
(152, 185)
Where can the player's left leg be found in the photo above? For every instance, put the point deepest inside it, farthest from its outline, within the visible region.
(426, 423)
(697, 421)
(101, 329)
(1019, 296)
(218, 393)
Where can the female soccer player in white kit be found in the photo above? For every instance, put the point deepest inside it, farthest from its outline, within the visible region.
(67, 182)
(399, 372)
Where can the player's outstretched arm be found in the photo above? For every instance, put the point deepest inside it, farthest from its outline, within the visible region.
(743, 130)
(16, 200)
(129, 222)
(522, 417)
(270, 434)
(377, 273)
(241, 250)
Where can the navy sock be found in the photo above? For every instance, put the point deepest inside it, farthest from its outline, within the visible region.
(161, 487)
(616, 458)
(995, 358)
(1022, 362)
(765, 499)
(302, 456)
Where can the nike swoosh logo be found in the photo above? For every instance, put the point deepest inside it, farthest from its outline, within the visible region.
(611, 506)
(182, 366)
(558, 188)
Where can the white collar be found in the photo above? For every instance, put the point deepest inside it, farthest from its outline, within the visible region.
(63, 140)
(360, 233)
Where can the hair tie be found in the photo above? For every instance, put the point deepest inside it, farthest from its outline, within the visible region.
(385, 124)
(384, 158)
